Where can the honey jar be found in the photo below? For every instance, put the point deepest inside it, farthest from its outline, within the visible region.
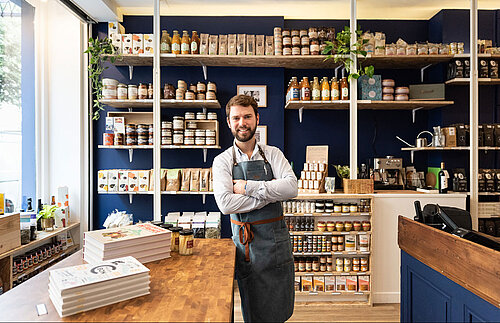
(330, 226)
(347, 226)
(356, 225)
(366, 225)
(321, 226)
(186, 242)
(339, 226)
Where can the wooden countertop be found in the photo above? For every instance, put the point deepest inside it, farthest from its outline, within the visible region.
(468, 264)
(379, 194)
(193, 288)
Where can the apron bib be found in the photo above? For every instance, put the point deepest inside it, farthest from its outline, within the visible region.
(264, 266)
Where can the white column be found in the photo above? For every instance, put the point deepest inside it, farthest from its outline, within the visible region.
(156, 113)
(353, 105)
(474, 115)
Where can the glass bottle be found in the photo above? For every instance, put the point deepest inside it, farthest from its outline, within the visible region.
(295, 90)
(150, 91)
(443, 180)
(305, 90)
(316, 90)
(185, 43)
(325, 89)
(165, 43)
(335, 93)
(176, 43)
(195, 43)
(344, 89)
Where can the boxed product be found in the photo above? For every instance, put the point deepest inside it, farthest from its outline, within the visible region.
(194, 186)
(427, 91)
(149, 43)
(123, 181)
(307, 283)
(364, 283)
(119, 124)
(460, 180)
(61, 217)
(112, 180)
(212, 225)
(481, 181)
(319, 283)
(269, 45)
(489, 135)
(172, 218)
(450, 134)
(133, 181)
(329, 283)
(231, 44)
(340, 283)
(116, 40)
(352, 283)
(137, 44)
(260, 44)
(102, 180)
(204, 44)
(213, 44)
(250, 44)
(489, 177)
(198, 224)
(497, 135)
(370, 88)
(186, 220)
(463, 138)
(241, 44)
(163, 175)
(480, 135)
(114, 27)
(222, 44)
(144, 180)
(11, 236)
(297, 283)
(173, 180)
(127, 44)
(62, 196)
(110, 125)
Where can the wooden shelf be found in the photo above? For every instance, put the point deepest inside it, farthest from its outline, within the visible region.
(151, 193)
(41, 236)
(366, 105)
(466, 81)
(328, 233)
(329, 214)
(334, 293)
(290, 62)
(165, 103)
(162, 147)
(331, 196)
(333, 273)
(335, 253)
(46, 262)
(446, 148)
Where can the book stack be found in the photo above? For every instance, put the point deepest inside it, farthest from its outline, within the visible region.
(144, 241)
(81, 288)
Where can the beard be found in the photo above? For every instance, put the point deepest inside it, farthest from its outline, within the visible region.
(246, 136)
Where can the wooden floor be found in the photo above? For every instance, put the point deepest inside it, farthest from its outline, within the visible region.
(310, 312)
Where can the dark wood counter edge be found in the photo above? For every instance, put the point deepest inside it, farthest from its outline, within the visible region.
(466, 263)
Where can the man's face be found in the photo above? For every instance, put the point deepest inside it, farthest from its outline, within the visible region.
(243, 122)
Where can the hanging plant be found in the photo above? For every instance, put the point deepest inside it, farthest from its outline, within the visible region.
(341, 49)
(99, 50)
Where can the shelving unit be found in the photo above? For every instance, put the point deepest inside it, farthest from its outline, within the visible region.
(466, 81)
(334, 273)
(366, 105)
(412, 150)
(164, 103)
(131, 194)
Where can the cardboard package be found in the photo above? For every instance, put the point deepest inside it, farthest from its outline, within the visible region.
(137, 44)
(352, 283)
(427, 92)
(340, 282)
(102, 180)
(116, 40)
(61, 217)
(63, 197)
(329, 283)
(114, 27)
(127, 44)
(297, 283)
(149, 44)
(10, 235)
(143, 180)
(119, 125)
(113, 180)
(370, 88)
(307, 283)
(133, 181)
(450, 134)
(364, 283)
(319, 283)
(123, 181)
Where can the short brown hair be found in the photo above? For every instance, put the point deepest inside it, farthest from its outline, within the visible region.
(242, 100)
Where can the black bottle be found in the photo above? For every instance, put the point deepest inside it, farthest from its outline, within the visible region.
(443, 180)
(39, 222)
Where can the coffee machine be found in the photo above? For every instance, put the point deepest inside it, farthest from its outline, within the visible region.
(388, 173)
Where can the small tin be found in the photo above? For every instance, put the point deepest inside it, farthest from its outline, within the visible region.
(131, 140)
(212, 116)
(201, 116)
(189, 116)
(191, 125)
(200, 141)
(108, 139)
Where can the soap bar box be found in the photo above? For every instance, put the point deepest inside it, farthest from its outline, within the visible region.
(370, 88)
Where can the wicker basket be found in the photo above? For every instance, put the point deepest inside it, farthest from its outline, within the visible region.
(358, 186)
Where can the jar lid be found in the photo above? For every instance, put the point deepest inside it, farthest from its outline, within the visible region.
(166, 225)
(122, 85)
(178, 117)
(186, 232)
(175, 229)
(157, 223)
(132, 85)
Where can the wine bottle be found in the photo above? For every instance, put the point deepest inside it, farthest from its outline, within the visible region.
(443, 180)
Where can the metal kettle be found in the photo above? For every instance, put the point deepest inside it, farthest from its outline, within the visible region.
(422, 142)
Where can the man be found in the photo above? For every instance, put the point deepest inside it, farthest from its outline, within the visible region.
(250, 180)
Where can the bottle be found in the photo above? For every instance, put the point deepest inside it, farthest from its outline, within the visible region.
(32, 226)
(195, 43)
(30, 207)
(165, 44)
(325, 89)
(443, 180)
(38, 210)
(295, 90)
(335, 89)
(305, 90)
(176, 43)
(53, 200)
(185, 43)
(150, 91)
(344, 89)
(316, 90)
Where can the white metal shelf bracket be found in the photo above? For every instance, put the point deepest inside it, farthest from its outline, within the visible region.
(129, 109)
(412, 154)
(203, 197)
(413, 113)
(130, 71)
(130, 155)
(422, 70)
(130, 198)
(301, 111)
(205, 155)
(205, 72)
(204, 110)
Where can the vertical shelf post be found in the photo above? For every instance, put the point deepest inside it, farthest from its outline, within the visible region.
(156, 114)
(474, 116)
(353, 96)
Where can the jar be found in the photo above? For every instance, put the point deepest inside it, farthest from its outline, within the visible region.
(179, 94)
(339, 268)
(122, 92)
(108, 139)
(353, 208)
(337, 208)
(366, 225)
(296, 50)
(321, 226)
(330, 226)
(200, 132)
(363, 260)
(132, 92)
(339, 261)
(329, 266)
(339, 226)
(191, 125)
(131, 140)
(201, 87)
(201, 116)
(211, 95)
(433, 49)
(401, 97)
(130, 128)
(322, 267)
(364, 267)
(142, 91)
(287, 50)
(355, 268)
(304, 50)
(411, 49)
(388, 83)
(388, 97)
(119, 139)
(285, 32)
(302, 265)
(143, 140)
(210, 141)
(347, 226)
(168, 91)
(356, 225)
(193, 88)
(142, 129)
(166, 140)
(388, 90)
(178, 123)
(200, 96)
(212, 87)
(189, 95)
(212, 116)
(189, 116)
(150, 91)
(189, 141)
(364, 243)
(402, 90)
(166, 125)
(109, 89)
(308, 264)
(189, 133)
(315, 265)
(181, 85)
(200, 141)
(296, 265)
(186, 242)
(345, 208)
(329, 205)
(178, 137)
(166, 132)
(322, 260)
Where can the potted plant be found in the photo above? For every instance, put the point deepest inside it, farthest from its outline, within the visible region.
(342, 172)
(47, 216)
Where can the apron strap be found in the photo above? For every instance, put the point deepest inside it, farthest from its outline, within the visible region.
(261, 152)
(246, 234)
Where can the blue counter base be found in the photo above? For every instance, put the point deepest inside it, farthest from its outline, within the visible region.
(429, 296)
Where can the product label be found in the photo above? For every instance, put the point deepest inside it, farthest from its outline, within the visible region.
(325, 93)
(185, 47)
(295, 93)
(194, 46)
(189, 244)
(335, 94)
(316, 94)
(163, 47)
(305, 93)
(176, 47)
(176, 241)
(443, 183)
(345, 92)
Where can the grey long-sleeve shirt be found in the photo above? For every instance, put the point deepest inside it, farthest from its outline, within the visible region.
(258, 193)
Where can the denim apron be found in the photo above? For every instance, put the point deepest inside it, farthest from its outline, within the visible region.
(264, 260)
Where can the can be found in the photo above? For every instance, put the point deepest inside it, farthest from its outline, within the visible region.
(119, 139)
(108, 139)
(212, 116)
(189, 116)
(201, 116)
(189, 141)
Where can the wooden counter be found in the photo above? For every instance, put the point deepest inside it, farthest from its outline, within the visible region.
(468, 264)
(183, 288)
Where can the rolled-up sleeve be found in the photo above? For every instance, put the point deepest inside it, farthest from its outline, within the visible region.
(284, 186)
(226, 200)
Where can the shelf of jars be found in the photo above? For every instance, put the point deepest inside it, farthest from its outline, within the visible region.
(366, 105)
(290, 62)
(164, 103)
(327, 233)
(329, 214)
(466, 81)
(162, 147)
(333, 273)
(446, 148)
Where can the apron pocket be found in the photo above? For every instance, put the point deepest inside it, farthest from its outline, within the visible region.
(243, 268)
(283, 246)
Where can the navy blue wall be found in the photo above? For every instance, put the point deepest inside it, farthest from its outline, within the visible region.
(377, 129)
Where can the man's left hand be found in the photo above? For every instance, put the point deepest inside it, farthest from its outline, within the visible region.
(239, 186)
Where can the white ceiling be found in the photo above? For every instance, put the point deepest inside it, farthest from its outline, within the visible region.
(108, 10)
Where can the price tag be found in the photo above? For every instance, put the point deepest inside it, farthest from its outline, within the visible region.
(345, 214)
(313, 293)
(358, 293)
(367, 214)
(327, 214)
(41, 309)
(336, 293)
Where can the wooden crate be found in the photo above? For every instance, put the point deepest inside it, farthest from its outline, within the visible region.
(10, 232)
(358, 186)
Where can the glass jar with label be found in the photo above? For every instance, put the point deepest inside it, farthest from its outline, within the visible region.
(178, 137)
(185, 43)
(142, 91)
(186, 242)
(201, 116)
(188, 141)
(179, 94)
(168, 91)
(178, 123)
(212, 87)
(195, 43)
(189, 95)
(150, 91)
(345, 208)
(192, 87)
(201, 87)
(122, 92)
(210, 95)
(200, 96)
(189, 115)
(132, 92)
